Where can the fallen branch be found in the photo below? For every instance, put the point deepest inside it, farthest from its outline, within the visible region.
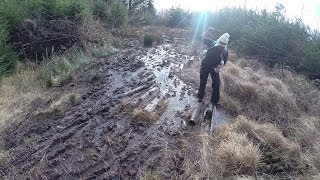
(152, 106)
(195, 114)
(213, 119)
(133, 91)
(141, 96)
(148, 93)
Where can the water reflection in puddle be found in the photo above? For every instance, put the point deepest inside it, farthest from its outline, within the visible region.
(162, 61)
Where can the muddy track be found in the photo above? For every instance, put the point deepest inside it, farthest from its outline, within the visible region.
(97, 138)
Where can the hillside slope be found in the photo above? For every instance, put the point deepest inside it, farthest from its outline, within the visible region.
(127, 122)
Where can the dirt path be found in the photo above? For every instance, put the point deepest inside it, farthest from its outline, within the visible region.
(97, 138)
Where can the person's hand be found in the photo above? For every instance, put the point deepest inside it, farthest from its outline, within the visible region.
(204, 52)
(219, 68)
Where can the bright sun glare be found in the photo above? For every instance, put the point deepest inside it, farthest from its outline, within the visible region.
(308, 10)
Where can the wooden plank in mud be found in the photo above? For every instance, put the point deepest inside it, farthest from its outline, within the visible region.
(213, 123)
(195, 115)
(152, 106)
(146, 94)
(154, 103)
(136, 90)
(138, 98)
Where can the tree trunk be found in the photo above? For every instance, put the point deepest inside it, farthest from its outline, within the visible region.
(130, 6)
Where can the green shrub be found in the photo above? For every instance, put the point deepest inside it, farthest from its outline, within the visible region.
(12, 12)
(103, 51)
(117, 43)
(15, 11)
(177, 17)
(38, 29)
(268, 36)
(113, 13)
(151, 37)
(59, 9)
(148, 40)
(59, 70)
(118, 14)
(311, 63)
(7, 57)
(100, 10)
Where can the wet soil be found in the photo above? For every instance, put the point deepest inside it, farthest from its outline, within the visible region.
(96, 137)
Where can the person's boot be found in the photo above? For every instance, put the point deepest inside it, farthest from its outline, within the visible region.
(208, 112)
(217, 105)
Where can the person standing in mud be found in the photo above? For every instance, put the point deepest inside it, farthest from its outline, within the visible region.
(215, 58)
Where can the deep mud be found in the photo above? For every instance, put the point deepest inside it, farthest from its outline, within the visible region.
(97, 138)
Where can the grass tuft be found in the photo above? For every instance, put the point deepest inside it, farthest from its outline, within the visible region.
(60, 69)
(237, 155)
(4, 157)
(142, 115)
(151, 36)
(103, 51)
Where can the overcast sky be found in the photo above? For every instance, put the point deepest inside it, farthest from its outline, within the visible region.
(309, 10)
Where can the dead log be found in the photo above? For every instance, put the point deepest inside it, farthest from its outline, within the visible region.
(194, 118)
(149, 78)
(137, 99)
(136, 90)
(154, 103)
(145, 95)
(213, 123)
(152, 106)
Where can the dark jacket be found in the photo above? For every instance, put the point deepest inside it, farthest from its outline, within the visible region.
(214, 56)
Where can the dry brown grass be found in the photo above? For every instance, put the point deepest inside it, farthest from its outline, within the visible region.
(307, 131)
(307, 134)
(250, 90)
(243, 177)
(27, 84)
(150, 176)
(4, 157)
(191, 75)
(243, 149)
(273, 95)
(146, 116)
(268, 132)
(21, 89)
(287, 100)
(142, 115)
(286, 103)
(59, 104)
(271, 136)
(237, 155)
(162, 106)
(307, 95)
(314, 156)
(17, 92)
(220, 156)
(259, 96)
(94, 32)
(151, 35)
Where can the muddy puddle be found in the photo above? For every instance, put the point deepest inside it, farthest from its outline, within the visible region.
(167, 65)
(97, 138)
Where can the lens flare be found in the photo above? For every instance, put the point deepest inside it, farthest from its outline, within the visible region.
(200, 25)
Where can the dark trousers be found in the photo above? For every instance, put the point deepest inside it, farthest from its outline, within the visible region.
(204, 72)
